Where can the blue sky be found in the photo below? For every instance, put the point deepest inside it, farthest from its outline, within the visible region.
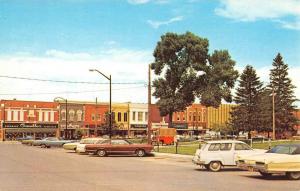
(85, 32)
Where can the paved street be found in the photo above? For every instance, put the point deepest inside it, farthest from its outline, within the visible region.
(33, 168)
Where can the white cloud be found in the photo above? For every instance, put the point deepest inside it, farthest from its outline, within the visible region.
(136, 2)
(157, 24)
(285, 11)
(124, 66)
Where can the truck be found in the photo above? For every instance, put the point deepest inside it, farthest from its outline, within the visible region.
(164, 136)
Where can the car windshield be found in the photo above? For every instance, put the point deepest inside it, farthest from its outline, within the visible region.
(283, 149)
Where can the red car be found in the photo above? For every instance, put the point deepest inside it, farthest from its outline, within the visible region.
(119, 147)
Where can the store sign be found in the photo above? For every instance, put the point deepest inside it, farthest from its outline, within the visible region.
(29, 125)
(138, 126)
(180, 125)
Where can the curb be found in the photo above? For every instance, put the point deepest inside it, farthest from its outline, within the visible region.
(177, 156)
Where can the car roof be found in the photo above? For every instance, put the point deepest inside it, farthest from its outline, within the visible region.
(225, 141)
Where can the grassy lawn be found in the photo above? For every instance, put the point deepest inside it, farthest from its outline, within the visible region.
(189, 148)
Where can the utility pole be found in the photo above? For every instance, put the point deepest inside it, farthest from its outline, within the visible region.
(96, 118)
(273, 104)
(149, 104)
(66, 130)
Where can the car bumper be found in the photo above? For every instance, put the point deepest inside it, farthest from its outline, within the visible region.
(196, 160)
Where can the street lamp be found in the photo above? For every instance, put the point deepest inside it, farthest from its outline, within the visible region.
(66, 101)
(109, 78)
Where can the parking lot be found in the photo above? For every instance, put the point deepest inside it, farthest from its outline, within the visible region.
(33, 168)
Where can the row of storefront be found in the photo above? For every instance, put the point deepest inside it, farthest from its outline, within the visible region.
(73, 119)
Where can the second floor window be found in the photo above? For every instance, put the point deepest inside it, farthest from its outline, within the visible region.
(79, 115)
(133, 116)
(125, 117)
(71, 115)
(140, 116)
(119, 116)
(63, 114)
(93, 117)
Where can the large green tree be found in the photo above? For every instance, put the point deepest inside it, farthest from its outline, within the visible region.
(282, 86)
(246, 116)
(186, 70)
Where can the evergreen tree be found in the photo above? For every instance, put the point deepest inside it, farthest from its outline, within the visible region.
(246, 116)
(282, 86)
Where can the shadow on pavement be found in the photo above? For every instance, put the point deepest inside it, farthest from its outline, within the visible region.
(274, 177)
(222, 170)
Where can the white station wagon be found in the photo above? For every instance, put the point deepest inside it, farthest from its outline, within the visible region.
(213, 155)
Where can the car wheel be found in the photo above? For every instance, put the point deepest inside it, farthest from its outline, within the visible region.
(293, 175)
(140, 153)
(43, 146)
(101, 153)
(265, 174)
(215, 166)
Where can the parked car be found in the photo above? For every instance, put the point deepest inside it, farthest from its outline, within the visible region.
(215, 154)
(30, 141)
(118, 147)
(51, 142)
(80, 147)
(282, 159)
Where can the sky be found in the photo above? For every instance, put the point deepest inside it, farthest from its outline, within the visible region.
(60, 40)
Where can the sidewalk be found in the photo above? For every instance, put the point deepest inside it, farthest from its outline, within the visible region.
(176, 156)
(10, 142)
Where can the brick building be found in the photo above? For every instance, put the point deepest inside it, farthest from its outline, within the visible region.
(28, 118)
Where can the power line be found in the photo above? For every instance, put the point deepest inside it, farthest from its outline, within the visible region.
(64, 81)
(71, 92)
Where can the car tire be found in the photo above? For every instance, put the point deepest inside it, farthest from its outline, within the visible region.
(215, 166)
(43, 146)
(293, 175)
(140, 152)
(265, 174)
(101, 153)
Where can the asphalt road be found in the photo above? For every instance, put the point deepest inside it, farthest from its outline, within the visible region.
(33, 168)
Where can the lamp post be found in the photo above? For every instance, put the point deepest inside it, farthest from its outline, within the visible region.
(109, 78)
(66, 101)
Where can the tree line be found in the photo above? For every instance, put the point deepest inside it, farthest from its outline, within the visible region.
(186, 70)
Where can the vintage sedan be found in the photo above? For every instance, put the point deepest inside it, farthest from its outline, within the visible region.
(73, 146)
(282, 159)
(118, 147)
(51, 142)
(81, 147)
(215, 154)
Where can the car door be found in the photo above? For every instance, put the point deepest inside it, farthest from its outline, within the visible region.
(226, 152)
(240, 149)
(120, 146)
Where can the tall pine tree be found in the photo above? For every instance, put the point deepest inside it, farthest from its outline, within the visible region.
(245, 117)
(282, 86)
